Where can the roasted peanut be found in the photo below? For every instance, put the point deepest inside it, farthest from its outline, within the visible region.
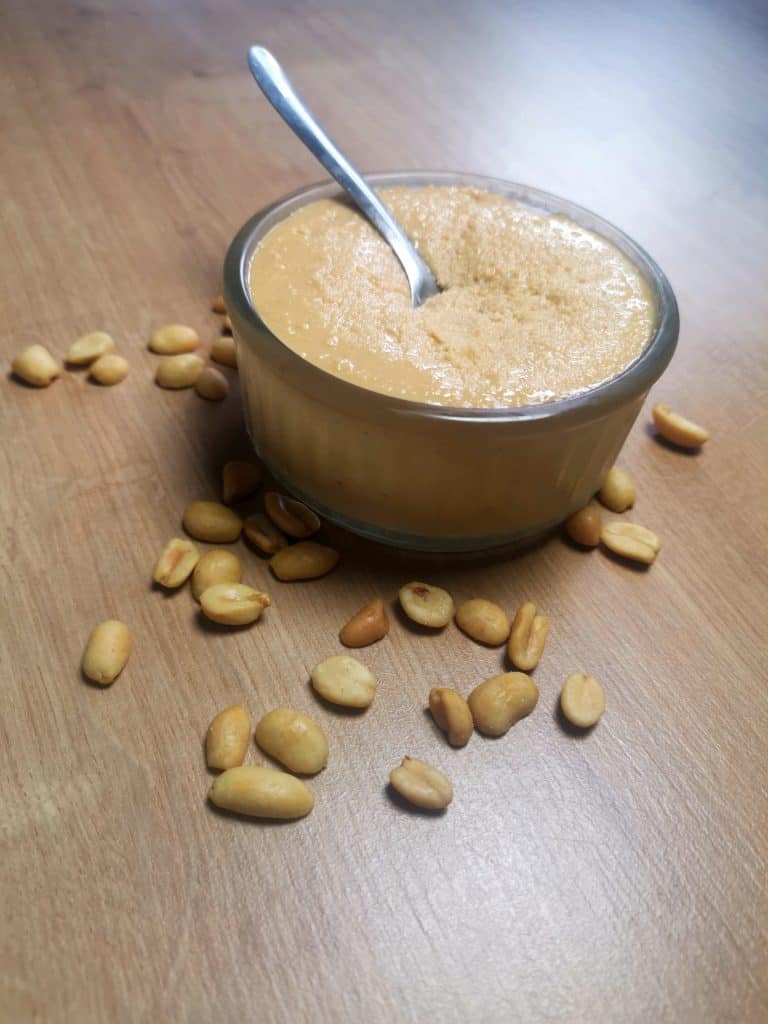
(218, 306)
(107, 652)
(261, 531)
(239, 480)
(483, 621)
(293, 739)
(224, 351)
(290, 516)
(233, 604)
(261, 793)
(677, 429)
(618, 492)
(582, 700)
(109, 369)
(36, 366)
(174, 339)
(303, 561)
(366, 626)
(176, 372)
(631, 541)
(584, 526)
(212, 522)
(176, 563)
(451, 714)
(501, 701)
(421, 784)
(217, 566)
(212, 384)
(89, 347)
(426, 604)
(528, 636)
(227, 739)
(226, 323)
(342, 679)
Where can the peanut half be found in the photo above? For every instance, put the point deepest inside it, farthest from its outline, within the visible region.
(501, 701)
(451, 714)
(227, 739)
(218, 305)
(226, 323)
(89, 347)
(421, 784)
(583, 526)
(212, 522)
(176, 372)
(366, 626)
(426, 604)
(36, 366)
(618, 492)
(176, 563)
(233, 604)
(109, 369)
(174, 339)
(631, 541)
(224, 351)
(303, 561)
(293, 739)
(217, 566)
(342, 679)
(262, 532)
(677, 429)
(261, 793)
(582, 700)
(528, 636)
(290, 516)
(212, 385)
(239, 480)
(483, 621)
(107, 652)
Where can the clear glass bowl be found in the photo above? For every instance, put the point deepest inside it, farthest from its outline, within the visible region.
(431, 477)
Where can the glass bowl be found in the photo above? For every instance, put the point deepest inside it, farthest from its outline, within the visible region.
(431, 477)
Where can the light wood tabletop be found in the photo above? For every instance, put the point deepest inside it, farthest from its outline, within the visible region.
(614, 876)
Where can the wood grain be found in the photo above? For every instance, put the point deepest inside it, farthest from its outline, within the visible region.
(614, 876)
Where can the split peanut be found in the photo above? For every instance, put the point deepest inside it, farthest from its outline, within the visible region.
(262, 532)
(176, 372)
(176, 563)
(501, 701)
(584, 526)
(426, 604)
(528, 636)
(174, 339)
(451, 714)
(107, 652)
(212, 384)
(227, 739)
(290, 516)
(223, 351)
(631, 541)
(618, 492)
(303, 561)
(89, 347)
(421, 784)
(36, 366)
(483, 621)
(342, 679)
(212, 522)
(677, 429)
(366, 626)
(261, 793)
(293, 739)
(239, 480)
(233, 604)
(582, 700)
(217, 566)
(109, 369)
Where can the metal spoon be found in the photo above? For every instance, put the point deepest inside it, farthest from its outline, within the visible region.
(275, 85)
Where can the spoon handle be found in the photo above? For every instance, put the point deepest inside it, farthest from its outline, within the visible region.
(275, 85)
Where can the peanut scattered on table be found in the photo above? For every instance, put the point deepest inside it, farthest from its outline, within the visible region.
(528, 636)
(109, 369)
(451, 714)
(211, 384)
(618, 492)
(303, 561)
(217, 566)
(227, 739)
(233, 604)
(290, 516)
(239, 480)
(483, 621)
(212, 522)
(582, 700)
(173, 339)
(677, 429)
(177, 372)
(261, 793)
(631, 541)
(421, 784)
(107, 652)
(89, 347)
(342, 679)
(501, 701)
(224, 351)
(583, 526)
(426, 604)
(369, 624)
(176, 563)
(293, 739)
(262, 532)
(36, 366)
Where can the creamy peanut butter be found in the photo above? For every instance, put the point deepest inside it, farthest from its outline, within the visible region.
(533, 307)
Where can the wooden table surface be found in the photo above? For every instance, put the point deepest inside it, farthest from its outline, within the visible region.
(618, 876)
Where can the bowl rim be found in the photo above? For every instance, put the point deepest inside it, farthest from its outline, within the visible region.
(636, 379)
